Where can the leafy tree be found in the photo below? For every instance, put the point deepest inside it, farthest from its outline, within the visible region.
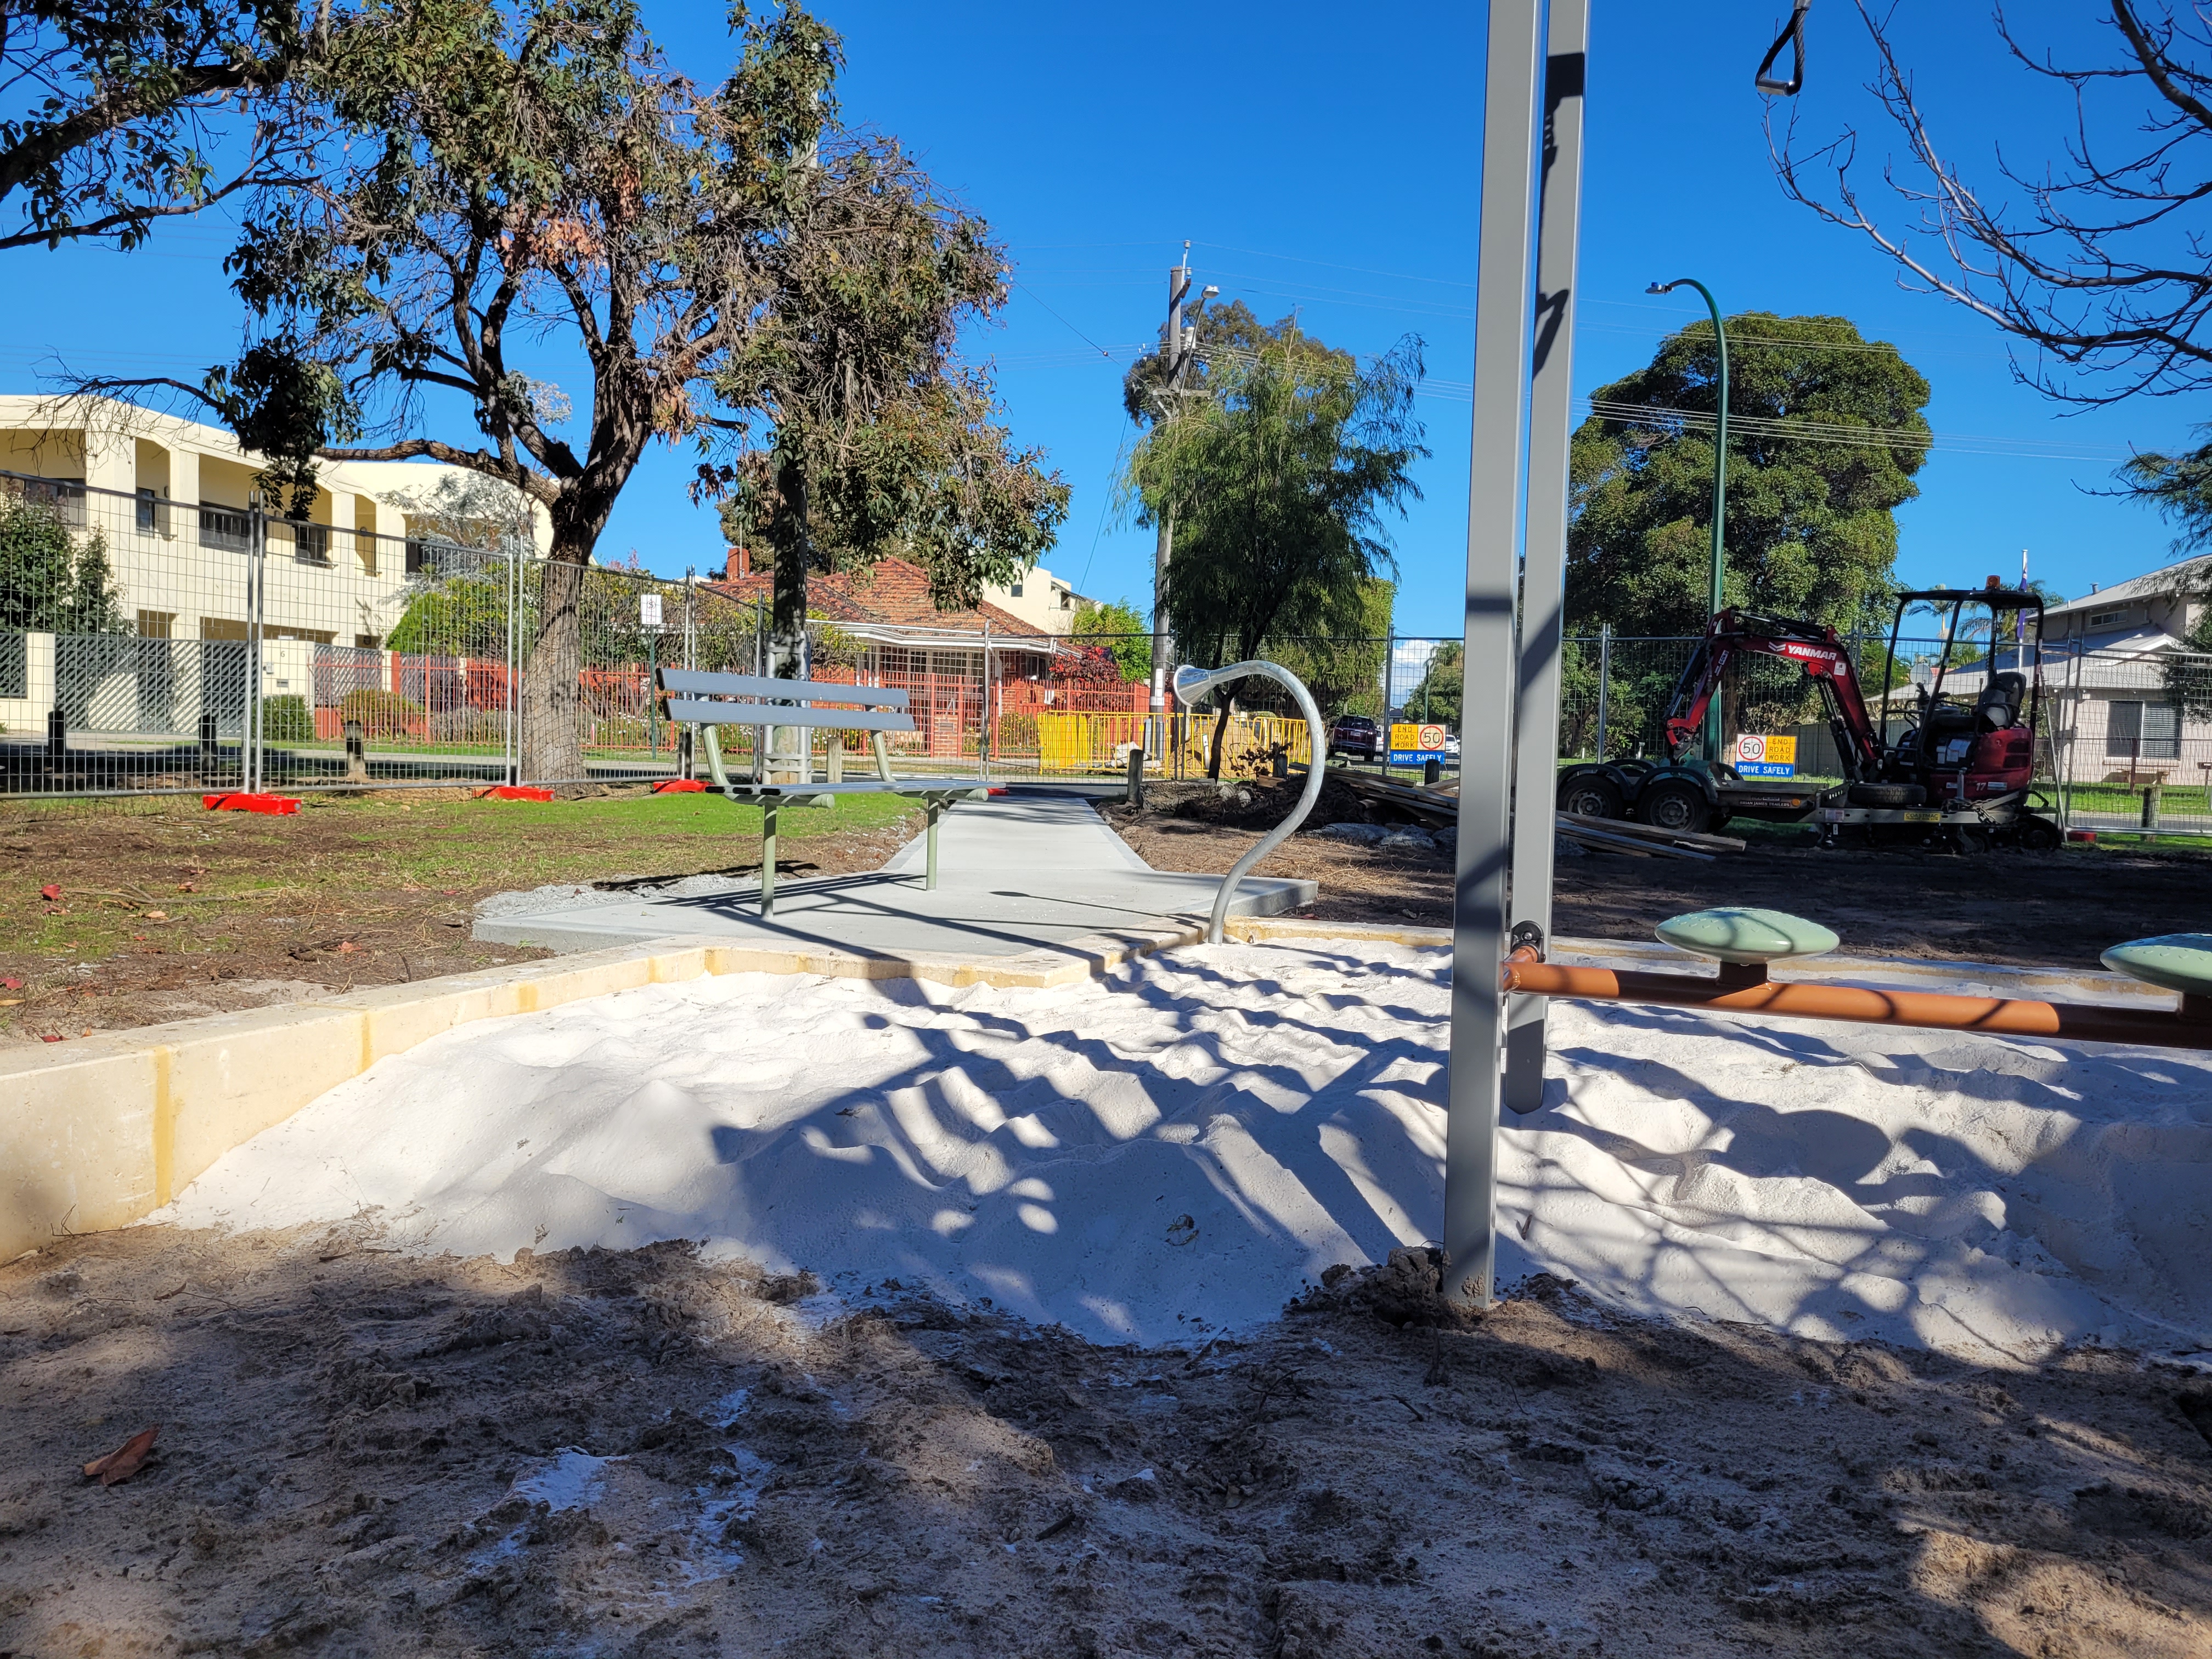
(1344, 672)
(1276, 476)
(1118, 627)
(117, 103)
(51, 580)
(1436, 694)
(883, 444)
(1825, 434)
(2186, 681)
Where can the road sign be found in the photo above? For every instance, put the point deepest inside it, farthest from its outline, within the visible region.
(1760, 757)
(1412, 745)
(649, 610)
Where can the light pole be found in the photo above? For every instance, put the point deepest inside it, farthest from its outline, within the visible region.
(1720, 482)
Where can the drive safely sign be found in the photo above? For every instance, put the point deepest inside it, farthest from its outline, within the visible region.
(1758, 756)
(1411, 744)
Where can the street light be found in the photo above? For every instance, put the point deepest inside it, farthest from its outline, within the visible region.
(1720, 482)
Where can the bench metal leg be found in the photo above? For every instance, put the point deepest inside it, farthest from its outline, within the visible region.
(936, 810)
(883, 756)
(768, 856)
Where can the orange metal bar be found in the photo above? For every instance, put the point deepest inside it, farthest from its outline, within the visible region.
(1748, 991)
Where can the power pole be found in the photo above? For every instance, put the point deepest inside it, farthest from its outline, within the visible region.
(1178, 350)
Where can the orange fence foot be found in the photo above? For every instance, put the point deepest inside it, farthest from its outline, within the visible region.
(514, 791)
(681, 787)
(278, 805)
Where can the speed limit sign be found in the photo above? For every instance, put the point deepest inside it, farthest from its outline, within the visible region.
(1432, 739)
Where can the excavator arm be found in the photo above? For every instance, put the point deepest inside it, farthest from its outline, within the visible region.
(1813, 648)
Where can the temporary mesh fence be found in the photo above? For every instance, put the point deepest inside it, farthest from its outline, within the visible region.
(150, 644)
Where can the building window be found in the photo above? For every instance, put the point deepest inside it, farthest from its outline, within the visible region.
(157, 624)
(63, 497)
(221, 628)
(2106, 618)
(310, 543)
(224, 527)
(367, 642)
(2143, 731)
(1015, 591)
(149, 513)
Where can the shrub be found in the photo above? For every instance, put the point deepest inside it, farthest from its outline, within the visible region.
(382, 714)
(286, 720)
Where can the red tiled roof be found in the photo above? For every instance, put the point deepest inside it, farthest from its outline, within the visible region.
(893, 592)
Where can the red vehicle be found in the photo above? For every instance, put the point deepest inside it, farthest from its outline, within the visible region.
(1961, 769)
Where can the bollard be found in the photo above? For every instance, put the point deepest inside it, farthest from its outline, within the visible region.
(56, 734)
(684, 751)
(207, 736)
(1136, 796)
(356, 753)
(1282, 761)
(2151, 802)
(1432, 772)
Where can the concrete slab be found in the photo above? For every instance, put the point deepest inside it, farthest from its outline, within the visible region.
(1016, 874)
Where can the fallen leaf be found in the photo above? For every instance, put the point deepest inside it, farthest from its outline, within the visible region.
(157, 915)
(50, 892)
(347, 947)
(9, 1002)
(12, 984)
(449, 892)
(187, 887)
(182, 1286)
(125, 1461)
(50, 1039)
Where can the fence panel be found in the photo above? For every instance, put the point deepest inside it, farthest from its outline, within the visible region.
(124, 650)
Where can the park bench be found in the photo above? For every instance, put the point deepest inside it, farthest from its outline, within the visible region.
(710, 702)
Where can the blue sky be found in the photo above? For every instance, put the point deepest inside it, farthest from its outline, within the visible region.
(1326, 157)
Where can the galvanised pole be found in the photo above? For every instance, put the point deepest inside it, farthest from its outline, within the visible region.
(1503, 326)
(1720, 484)
(1544, 565)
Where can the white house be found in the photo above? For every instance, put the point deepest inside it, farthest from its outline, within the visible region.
(2117, 651)
(1041, 600)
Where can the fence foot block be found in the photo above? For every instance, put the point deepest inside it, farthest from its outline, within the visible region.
(514, 791)
(277, 805)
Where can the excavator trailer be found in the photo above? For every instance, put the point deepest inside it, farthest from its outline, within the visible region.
(1961, 770)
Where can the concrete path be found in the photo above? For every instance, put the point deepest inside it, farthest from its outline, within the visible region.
(1015, 874)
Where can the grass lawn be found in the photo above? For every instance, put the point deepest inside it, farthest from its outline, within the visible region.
(159, 897)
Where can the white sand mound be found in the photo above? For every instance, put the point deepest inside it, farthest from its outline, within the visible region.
(1192, 1139)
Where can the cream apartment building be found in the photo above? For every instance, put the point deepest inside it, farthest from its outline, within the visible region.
(170, 499)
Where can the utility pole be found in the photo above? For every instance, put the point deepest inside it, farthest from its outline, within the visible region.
(1178, 351)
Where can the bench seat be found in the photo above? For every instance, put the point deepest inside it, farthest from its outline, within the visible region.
(708, 701)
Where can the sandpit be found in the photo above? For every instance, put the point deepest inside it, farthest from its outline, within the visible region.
(1187, 1144)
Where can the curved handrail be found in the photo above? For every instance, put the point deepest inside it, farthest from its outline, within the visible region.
(1193, 683)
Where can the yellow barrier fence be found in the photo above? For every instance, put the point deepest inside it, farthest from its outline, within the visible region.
(1101, 743)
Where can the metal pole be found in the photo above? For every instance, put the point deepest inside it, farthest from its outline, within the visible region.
(1504, 304)
(983, 736)
(1544, 565)
(1604, 681)
(257, 583)
(1171, 356)
(1720, 484)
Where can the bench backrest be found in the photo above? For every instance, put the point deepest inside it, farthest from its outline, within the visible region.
(696, 698)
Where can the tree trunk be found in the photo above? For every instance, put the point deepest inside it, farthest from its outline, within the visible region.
(790, 755)
(552, 714)
(1220, 735)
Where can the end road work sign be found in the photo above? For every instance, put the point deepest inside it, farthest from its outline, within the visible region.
(1411, 745)
(1765, 757)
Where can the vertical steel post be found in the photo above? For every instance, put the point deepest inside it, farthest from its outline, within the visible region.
(1503, 328)
(1544, 563)
(256, 603)
(1604, 682)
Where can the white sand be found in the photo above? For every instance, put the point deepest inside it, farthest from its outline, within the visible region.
(1185, 1145)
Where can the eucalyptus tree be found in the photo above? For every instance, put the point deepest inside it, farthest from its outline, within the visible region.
(1278, 478)
(883, 441)
(115, 114)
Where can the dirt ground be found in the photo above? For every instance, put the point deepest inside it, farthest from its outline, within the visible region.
(2057, 909)
(166, 911)
(363, 1453)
